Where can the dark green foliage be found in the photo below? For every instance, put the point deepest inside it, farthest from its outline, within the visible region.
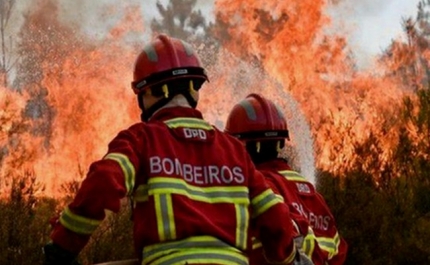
(385, 215)
(24, 222)
(113, 240)
(25, 228)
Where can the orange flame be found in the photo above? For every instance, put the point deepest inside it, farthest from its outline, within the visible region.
(342, 105)
(276, 48)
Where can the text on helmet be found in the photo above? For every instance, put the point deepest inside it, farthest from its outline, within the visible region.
(180, 72)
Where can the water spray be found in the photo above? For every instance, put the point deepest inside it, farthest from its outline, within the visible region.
(232, 80)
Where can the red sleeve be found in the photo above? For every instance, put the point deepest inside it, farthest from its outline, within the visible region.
(272, 220)
(107, 182)
(340, 257)
(336, 255)
(277, 184)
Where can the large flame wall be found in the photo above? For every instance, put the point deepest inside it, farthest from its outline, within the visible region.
(85, 81)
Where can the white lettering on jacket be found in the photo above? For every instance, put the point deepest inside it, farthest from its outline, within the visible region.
(196, 174)
(320, 222)
(195, 133)
(303, 188)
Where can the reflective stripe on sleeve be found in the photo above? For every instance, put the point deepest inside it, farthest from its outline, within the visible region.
(292, 175)
(292, 256)
(286, 261)
(194, 123)
(198, 249)
(256, 243)
(77, 223)
(330, 245)
(127, 169)
(263, 202)
(309, 243)
(217, 194)
(141, 193)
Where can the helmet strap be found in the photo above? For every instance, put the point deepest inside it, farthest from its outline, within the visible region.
(190, 99)
(278, 146)
(146, 114)
(262, 151)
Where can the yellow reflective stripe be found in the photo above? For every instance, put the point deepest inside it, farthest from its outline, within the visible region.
(77, 223)
(279, 197)
(242, 220)
(194, 123)
(288, 260)
(256, 243)
(292, 175)
(292, 256)
(217, 194)
(165, 219)
(127, 169)
(263, 202)
(309, 243)
(330, 245)
(141, 193)
(202, 256)
(194, 249)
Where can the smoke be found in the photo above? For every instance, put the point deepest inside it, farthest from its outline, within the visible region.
(96, 18)
(369, 25)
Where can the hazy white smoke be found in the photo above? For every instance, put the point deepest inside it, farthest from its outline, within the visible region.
(370, 25)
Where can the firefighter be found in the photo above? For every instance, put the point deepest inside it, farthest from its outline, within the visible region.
(260, 124)
(194, 188)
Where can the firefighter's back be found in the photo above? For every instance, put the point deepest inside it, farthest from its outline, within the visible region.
(191, 202)
(302, 195)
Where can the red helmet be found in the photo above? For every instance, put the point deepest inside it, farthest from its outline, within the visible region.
(256, 118)
(165, 59)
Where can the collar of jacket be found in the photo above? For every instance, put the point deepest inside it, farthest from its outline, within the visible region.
(176, 112)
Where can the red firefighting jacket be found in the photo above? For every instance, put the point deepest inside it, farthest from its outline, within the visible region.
(195, 191)
(256, 252)
(322, 241)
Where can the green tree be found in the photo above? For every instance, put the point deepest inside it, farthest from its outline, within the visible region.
(180, 19)
(23, 226)
(183, 20)
(407, 60)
